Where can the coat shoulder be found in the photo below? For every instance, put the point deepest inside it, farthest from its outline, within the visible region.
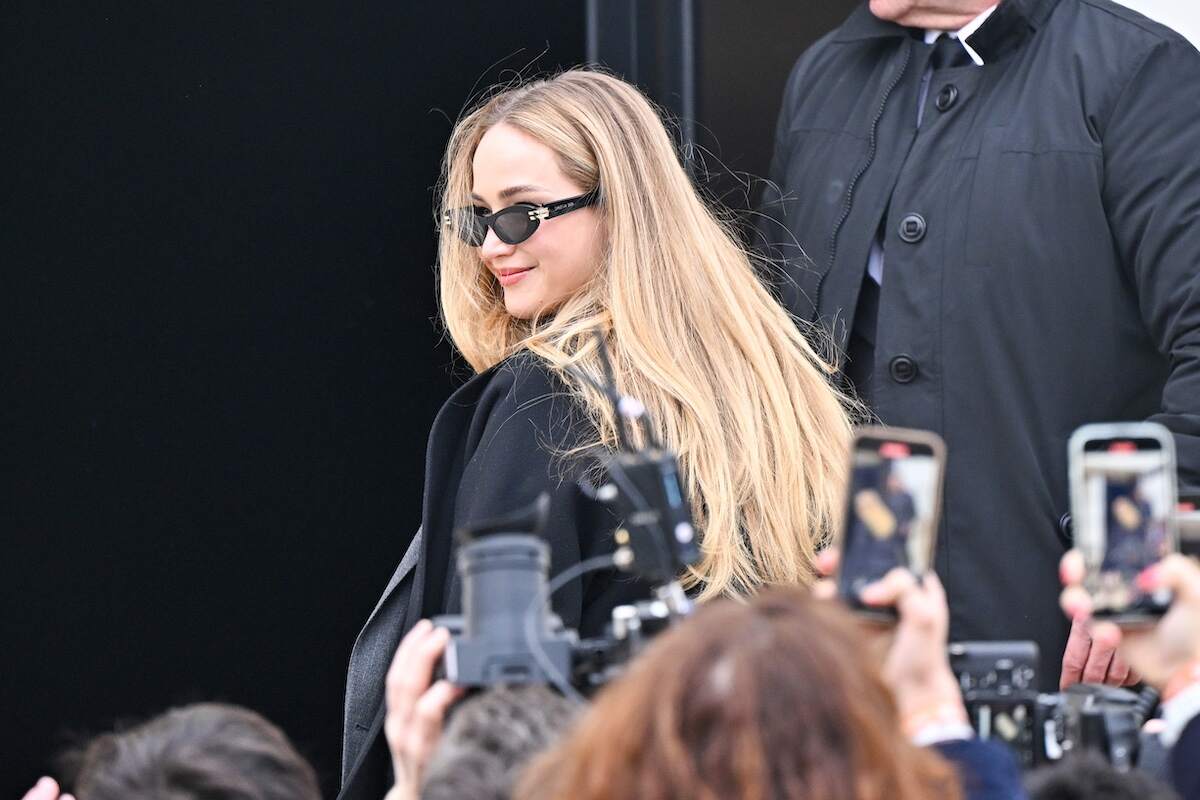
(527, 412)
(1125, 20)
(526, 378)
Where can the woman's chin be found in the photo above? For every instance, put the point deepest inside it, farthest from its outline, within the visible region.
(526, 308)
(519, 308)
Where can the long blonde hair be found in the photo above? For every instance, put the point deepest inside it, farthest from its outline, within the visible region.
(727, 376)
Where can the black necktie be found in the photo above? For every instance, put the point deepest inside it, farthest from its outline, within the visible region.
(948, 53)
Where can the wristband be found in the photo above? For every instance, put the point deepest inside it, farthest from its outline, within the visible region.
(944, 716)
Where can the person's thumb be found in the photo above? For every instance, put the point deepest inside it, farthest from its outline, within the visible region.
(1178, 573)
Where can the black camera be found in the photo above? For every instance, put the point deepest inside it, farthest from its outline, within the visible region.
(1103, 719)
(999, 686)
(507, 633)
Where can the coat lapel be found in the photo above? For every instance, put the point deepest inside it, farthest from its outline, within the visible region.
(400, 606)
(372, 653)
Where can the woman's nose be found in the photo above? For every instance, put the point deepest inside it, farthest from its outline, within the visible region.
(492, 247)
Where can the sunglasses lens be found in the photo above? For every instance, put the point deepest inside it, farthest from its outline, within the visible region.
(513, 225)
(468, 225)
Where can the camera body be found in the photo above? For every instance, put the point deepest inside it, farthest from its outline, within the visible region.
(999, 685)
(505, 635)
(1104, 719)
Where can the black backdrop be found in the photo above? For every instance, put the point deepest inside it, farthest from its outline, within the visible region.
(221, 350)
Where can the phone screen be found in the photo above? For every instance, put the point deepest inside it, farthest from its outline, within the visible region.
(1128, 497)
(891, 510)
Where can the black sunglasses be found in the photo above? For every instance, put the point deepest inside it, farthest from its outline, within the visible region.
(514, 224)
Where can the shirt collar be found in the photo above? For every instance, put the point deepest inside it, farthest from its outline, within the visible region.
(1178, 712)
(1003, 30)
(963, 34)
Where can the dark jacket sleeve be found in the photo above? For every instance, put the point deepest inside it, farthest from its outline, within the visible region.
(1152, 198)
(988, 770)
(772, 238)
(1184, 762)
(523, 449)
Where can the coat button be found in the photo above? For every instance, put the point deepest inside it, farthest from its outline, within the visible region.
(1065, 525)
(903, 369)
(947, 97)
(912, 228)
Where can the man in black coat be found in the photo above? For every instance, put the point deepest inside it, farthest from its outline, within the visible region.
(1000, 228)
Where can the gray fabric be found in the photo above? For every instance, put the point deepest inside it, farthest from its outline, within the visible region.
(372, 654)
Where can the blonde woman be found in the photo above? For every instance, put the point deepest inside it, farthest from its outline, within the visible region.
(566, 210)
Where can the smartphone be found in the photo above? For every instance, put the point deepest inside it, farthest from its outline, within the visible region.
(893, 504)
(1188, 522)
(1123, 500)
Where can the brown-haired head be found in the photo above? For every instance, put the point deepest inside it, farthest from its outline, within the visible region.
(206, 751)
(766, 700)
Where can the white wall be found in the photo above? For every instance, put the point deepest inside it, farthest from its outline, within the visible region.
(1182, 15)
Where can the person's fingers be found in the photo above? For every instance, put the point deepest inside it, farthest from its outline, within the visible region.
(925, 604)
(410, 642)
(1071, 568)
(888, 590)
(1133, 677)
(404, 683)
(417, 674)
(1178, 573)
(933, 586)
(1119, 671)
(1075, 602)
(1107, 636)
(1075, 655)
(45, 789)
(431, 708)
(425, 727)
(827, 561)
(1100, 655)
(825, 589)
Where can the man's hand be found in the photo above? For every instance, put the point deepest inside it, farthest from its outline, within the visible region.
(938, 15)
(46, 789)
(1091, 654)
(1091, 657)
(415, 710)
(1156, 652)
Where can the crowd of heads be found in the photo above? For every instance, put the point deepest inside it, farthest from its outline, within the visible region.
(785, 696)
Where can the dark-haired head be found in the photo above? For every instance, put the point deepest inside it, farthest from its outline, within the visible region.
(1087, 776)
(206, 751)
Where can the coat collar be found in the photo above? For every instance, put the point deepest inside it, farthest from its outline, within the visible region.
(1004, 30)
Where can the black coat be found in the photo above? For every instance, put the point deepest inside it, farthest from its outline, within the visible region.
(497, 443)
(1184, 762)
(1053, 278)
